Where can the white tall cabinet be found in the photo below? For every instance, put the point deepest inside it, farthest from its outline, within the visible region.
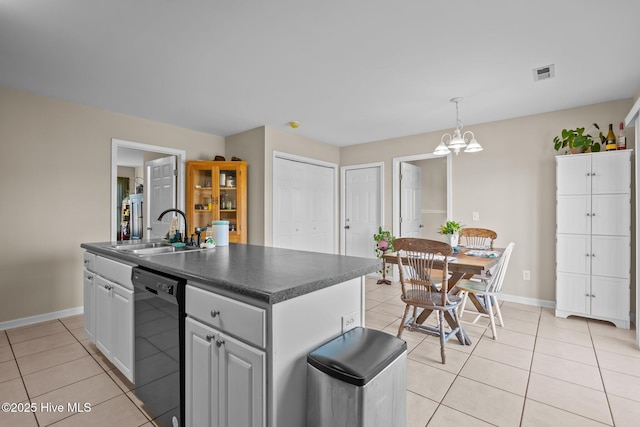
(593, 236)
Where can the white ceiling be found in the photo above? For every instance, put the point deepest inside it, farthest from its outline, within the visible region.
(350, 71)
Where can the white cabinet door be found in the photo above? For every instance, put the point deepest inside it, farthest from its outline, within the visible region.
(89, 305)
(225, 379)
(103, 315)
(611, 256)
(609, 297)
(573, 293)
(242, 386)
(122, 341)
(610, 173)
(573, 253)
(574, 214)
(202, 375)
(573, 175)
(610, 214)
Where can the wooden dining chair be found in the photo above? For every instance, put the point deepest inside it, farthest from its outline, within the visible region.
(480, 237)
(486, 292)
(425, 287)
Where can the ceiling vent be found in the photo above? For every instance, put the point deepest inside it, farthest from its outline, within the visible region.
(544, 73)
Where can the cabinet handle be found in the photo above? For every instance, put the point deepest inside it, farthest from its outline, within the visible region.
(209, 337)
(89, 277)
(86, 261)
(587, 295)
(215, 313)
(593, 296)
(593, 214)
(219, 343)
(588, 214)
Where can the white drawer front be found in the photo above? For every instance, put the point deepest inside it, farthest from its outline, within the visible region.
(90, 261)
(227, 315)
(115, 271)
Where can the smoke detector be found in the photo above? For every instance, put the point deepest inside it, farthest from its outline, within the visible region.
(544, 73)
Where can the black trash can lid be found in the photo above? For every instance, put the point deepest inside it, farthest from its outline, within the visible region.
(357, 356)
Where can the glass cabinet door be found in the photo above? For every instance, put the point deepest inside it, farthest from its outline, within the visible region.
(217, 191)
(203, 202)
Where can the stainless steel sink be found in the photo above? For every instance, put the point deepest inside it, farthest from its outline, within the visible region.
(135, 246)
(163, 250)
(153, 248)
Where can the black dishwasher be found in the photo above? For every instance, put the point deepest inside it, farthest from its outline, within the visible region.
(159, 344)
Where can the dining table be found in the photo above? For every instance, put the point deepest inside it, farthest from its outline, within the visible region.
(464, 263)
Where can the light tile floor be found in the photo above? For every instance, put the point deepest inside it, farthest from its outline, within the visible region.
(542, 371)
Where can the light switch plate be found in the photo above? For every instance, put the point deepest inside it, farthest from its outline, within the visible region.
(475, 216)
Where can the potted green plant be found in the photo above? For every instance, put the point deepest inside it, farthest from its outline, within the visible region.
(577, 141)
(451, 230)
(384, 242)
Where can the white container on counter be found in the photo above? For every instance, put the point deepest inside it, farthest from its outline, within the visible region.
(221, 232)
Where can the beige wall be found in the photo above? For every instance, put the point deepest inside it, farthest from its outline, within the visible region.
(249, 146)
(511, 184)
(55, 189)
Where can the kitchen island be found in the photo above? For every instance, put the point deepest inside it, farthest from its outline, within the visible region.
(253, 313)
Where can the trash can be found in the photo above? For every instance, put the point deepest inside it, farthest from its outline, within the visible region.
(358, 379)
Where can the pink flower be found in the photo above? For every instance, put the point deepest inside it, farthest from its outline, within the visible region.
(383, 245)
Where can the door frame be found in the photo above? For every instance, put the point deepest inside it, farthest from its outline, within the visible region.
(180, 164)
(343, 214)
(395, 192)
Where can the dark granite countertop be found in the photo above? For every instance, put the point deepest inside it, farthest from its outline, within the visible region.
(267, 274)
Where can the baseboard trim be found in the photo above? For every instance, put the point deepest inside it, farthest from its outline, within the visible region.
(25, 321)
(528, 301)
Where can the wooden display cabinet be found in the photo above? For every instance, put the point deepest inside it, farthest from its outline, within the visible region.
(217, 191)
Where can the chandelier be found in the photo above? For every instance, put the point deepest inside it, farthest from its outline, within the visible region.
(458, 140)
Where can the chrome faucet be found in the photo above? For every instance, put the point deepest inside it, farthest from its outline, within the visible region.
(186, 227)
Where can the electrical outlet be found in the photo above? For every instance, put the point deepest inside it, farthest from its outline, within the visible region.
(526, 275)
(475, 216)
(348, 322)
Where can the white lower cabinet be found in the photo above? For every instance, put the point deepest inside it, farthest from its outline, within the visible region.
(114, 324)
(108, 310)
(225, 379)
(89, 305)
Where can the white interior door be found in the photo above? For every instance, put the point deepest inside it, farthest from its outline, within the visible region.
(161, 178)
(362, 210)
(410, 200)
(303, 205)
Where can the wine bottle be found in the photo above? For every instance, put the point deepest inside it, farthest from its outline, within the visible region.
(610, 143)
(622, 138)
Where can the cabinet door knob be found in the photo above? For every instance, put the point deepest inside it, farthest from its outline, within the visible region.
(219, 343)
(215, 313)
(209, 337)
(593, 214)
(588, 214)
(89, 277)
(593, 296)
(587, 295)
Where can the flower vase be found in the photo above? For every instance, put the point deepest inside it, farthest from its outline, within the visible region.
(452, 239)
